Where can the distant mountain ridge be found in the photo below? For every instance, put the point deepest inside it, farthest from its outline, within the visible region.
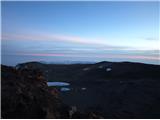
(96, 71)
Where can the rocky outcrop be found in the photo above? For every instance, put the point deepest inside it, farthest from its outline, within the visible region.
(25, 94)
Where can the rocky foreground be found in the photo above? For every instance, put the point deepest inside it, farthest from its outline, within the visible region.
(25, 94)
(100, 90)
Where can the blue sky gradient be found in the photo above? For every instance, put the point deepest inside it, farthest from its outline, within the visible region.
(80, 31)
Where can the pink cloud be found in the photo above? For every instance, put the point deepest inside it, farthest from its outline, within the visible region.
(133, 57)
(93, 56)
(56, 38)
(42, 54)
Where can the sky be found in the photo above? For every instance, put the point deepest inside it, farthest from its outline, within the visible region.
(80, 31)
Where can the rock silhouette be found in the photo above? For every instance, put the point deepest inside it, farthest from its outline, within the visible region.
(25, 94)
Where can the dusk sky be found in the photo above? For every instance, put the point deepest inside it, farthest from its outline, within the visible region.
(80, 31)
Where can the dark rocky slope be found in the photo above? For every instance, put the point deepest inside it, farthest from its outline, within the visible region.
(25, 94)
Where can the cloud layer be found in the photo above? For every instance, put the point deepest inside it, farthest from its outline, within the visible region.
(61, 38)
